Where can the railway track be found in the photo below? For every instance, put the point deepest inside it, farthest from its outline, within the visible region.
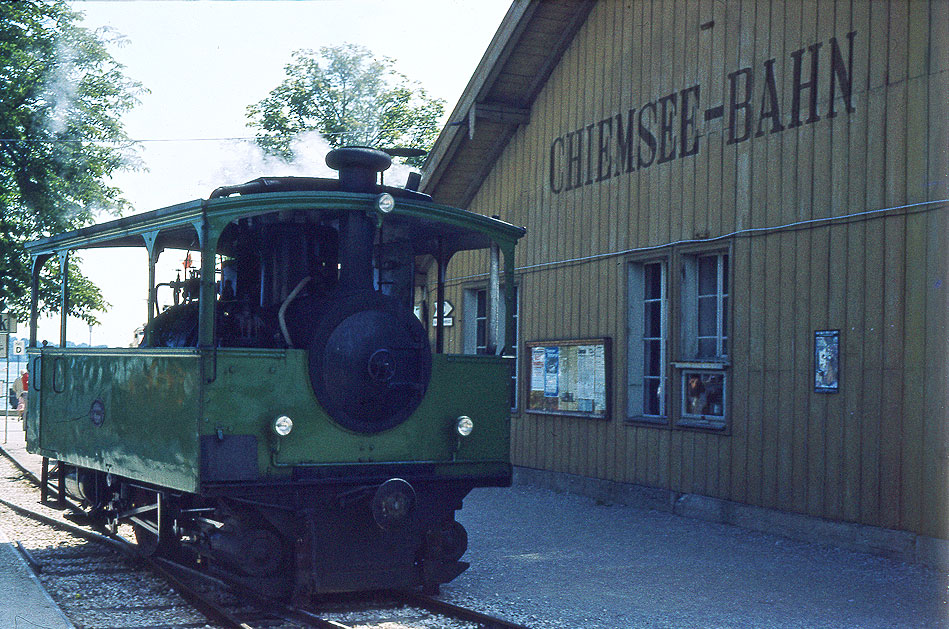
(104, 581)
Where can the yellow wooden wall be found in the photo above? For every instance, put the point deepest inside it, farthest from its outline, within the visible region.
(877, 452)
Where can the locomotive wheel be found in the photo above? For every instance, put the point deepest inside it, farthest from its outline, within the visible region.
(370, 362)
(454, 541)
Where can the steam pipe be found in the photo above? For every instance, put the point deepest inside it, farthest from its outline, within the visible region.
(355, 251)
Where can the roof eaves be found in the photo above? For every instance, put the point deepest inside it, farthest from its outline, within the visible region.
(474, 102)
(490, 65)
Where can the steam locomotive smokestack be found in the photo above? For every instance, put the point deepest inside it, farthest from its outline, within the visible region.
(358, 170)
(358, 167)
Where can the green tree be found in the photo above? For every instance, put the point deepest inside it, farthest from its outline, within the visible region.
(61, 98)
(351, 98)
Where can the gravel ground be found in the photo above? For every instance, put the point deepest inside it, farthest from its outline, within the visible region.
(98, 587)
(555, 560)
(93, 585)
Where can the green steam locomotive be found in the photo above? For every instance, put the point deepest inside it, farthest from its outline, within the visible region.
(292, 418)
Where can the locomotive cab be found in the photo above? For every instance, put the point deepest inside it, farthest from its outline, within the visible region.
(294, 405)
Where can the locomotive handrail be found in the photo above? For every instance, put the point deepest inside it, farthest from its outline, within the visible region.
(55, 350)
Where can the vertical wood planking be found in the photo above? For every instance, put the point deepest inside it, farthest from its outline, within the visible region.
(545, 427)
(565, 246)
(767, 211)
(914, 376)
(627, 71)
(894, 277)
(722, 220)
(780, 204)
(647, 440)
(638, 457)
(662, 33)
(751, 204)
(914, 349)
(732, 455)
(936, 398)
(866, 454)
(827, 197)
(583, 439)
(682, 464)
(608, 282)
(875, 431)
(852, 149)
(603, 288)
(937, 299)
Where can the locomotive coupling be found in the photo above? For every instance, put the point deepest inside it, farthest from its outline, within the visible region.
(393, 503)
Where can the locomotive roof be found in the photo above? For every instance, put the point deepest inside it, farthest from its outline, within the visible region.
(424, 223)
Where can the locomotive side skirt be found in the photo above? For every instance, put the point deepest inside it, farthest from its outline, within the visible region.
(138, 416)
(252, 388)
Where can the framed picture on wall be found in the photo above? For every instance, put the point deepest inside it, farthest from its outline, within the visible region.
(826, 361)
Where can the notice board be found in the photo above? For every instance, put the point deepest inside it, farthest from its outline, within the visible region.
(569, 377)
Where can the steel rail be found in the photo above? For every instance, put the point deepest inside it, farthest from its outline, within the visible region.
(454, 611)
(210, 610)
(290, 612)
(200, 602)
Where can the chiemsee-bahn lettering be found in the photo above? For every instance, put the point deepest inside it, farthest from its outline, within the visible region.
(666, 129)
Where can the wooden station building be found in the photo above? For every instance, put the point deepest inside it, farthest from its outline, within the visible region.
(734, 280)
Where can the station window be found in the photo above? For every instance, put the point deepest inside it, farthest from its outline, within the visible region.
(648, 323)
(481, 322)
(704, 342)
(678, 363)
(703, 394)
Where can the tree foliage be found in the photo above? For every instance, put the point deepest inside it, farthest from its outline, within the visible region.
(61, 98)
(351, 98)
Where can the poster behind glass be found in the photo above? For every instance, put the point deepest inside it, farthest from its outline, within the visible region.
(827, 361)
(569, 377)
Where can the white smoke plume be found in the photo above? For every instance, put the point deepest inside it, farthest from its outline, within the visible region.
(181, 171)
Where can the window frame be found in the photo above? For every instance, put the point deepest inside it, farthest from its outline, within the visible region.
(689, 361)
(637, 339)
(680, 358)
(701, 420)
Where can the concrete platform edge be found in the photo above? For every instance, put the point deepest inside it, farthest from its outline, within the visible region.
(890, 543)
(52, 607)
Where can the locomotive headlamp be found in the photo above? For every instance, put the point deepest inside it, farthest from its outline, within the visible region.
(464, 425)
(385, 203)
(282, 426)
